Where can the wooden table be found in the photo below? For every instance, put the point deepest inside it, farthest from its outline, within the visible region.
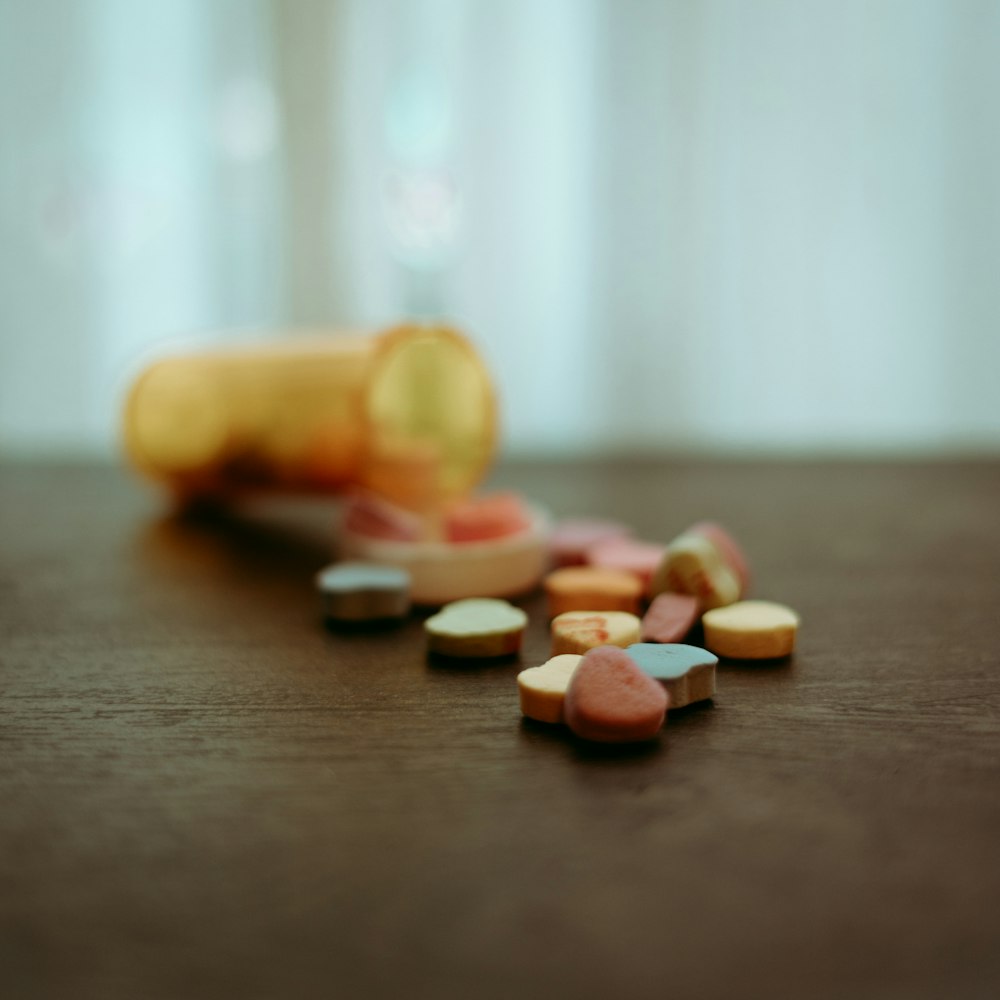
(207, 794)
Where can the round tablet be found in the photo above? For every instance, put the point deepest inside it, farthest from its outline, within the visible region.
(578, 631)
(588, 588)
(480, 519)
(693, 565)
(448, 571)
(728, 547)
(476, 627)
(359, 591)
(751, 630)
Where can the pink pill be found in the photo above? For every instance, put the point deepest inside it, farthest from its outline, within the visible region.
(481, 519)
(670, 617)
(374, 517)
(639, 558)
(611, 700)
(570, 539)
(728, 547)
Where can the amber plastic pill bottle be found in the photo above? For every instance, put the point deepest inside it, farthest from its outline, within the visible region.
(409, 413)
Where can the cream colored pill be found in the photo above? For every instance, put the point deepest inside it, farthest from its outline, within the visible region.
(579, 631)
(693, 565)
(543, 689)
(476, 627)
(751, 630)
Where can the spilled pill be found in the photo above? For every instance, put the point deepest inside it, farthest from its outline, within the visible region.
(628, 554)
(728, 547)
(588, 588)
(368, 514)
(476, 627)
(751, 630)
(578, 631)
(359, 591)
(542, 689)
(611, 700)
(479, 519)
(570, 539)
(687, 672)
(693, 565)
(669, 617)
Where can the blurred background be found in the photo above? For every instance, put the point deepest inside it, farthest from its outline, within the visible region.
(725, 226)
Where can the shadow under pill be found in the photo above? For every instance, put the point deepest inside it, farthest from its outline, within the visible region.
(230, 548)
(698, 713)
(561, 736)
(775, 666)
(615, 753)
(471, 664)
(373, 626)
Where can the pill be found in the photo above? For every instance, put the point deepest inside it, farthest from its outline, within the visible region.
(728, 547)
(476, 627)
(543, 689)
(669, 618)
(444, 571)
(579, 631)
(588, 588)
(359, 591)
(368, 514)
(570, 539)
(751, 630)
(693, 565)
(687, 672)
(498, 515)
(628, 554)
(611, 700)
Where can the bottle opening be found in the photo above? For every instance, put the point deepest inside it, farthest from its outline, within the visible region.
(430, 415)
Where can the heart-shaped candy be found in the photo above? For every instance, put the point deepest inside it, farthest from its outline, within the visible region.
(687, 672)
(359, 591)
(543, 689)
(609, 699)
(476, 627)
(578, 631)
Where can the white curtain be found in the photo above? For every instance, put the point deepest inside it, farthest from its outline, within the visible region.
(767, 224)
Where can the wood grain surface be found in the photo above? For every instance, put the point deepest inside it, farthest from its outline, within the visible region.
(208, 794)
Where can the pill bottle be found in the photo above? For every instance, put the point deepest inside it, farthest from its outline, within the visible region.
(409, 413)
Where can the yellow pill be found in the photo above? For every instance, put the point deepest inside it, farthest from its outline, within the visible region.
(751, 630)
(578, 631)
(543, 689)
(693, 565)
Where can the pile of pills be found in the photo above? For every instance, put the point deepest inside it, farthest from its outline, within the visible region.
(619, 607)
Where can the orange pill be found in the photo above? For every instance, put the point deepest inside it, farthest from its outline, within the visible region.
(636, 557)
(590, 588)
